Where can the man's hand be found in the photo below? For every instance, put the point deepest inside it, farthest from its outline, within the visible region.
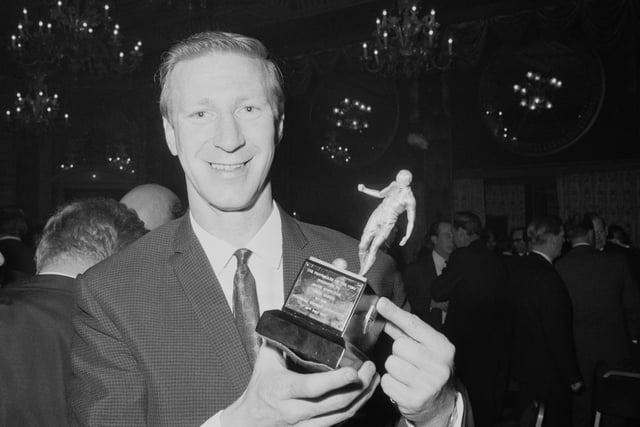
(277, 396)
(419, 368)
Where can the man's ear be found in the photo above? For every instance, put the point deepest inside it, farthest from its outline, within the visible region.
(434, 240)
(280, 129)
(170, 136)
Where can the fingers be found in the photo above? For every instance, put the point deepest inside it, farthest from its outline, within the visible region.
(309, 386)
(405, 323)
(342, 403)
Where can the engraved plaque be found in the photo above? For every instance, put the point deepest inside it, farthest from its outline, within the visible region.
(329, 319)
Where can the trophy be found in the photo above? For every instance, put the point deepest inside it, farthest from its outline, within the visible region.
(329, 320)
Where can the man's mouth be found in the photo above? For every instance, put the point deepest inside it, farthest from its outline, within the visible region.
(227, 167)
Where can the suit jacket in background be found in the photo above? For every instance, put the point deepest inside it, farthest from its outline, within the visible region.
(543, 348)
(631, 254)
(474, 283)
(606, 304)
(35, 342)
(606, 313)
(19, 261)
(156, 343)
(418, 277)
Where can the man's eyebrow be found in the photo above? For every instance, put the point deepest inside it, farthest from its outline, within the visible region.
(204, 101)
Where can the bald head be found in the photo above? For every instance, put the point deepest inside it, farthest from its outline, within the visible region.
(154, 204)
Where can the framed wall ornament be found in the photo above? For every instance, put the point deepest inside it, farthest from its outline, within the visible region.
(542, 98)
(353, 117)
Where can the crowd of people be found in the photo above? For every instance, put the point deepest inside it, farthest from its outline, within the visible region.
(535, 322)
(155, 333)
(118, 325)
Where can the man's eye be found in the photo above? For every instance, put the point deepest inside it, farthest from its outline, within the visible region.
(248, 109)
(200, 114)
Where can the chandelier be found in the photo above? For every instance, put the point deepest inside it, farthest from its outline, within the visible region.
(535, 94)
(335, 151)
(78, 35)
(350, 114)
(407, 43)
(35, 107)
(121, 161)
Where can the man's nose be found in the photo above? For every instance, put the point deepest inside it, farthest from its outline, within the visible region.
(228, 136)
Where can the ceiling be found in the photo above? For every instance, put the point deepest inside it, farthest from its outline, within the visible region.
(287, 26)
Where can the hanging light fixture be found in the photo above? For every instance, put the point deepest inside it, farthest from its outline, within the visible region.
(536, 92)
(351, 114)
(36, 107)
(79, 35)
(407, 43)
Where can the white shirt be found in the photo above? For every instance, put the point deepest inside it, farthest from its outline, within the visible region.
(439, 262)
(265, 261)
(265, 264)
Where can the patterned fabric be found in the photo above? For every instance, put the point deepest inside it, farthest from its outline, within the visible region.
(245, 304)
(156, 342)
(615, 195)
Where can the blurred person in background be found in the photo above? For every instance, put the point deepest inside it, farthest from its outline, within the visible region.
(35, 317)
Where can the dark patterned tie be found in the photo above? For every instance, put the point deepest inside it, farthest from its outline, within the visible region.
(245, 304)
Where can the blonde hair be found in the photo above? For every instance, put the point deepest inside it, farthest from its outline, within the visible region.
(207, 42)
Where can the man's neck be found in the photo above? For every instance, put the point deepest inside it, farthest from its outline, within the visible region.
(234, 227)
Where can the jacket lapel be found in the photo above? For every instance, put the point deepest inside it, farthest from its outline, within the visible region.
(194, 272)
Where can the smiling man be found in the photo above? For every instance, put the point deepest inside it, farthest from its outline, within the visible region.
(161, 334)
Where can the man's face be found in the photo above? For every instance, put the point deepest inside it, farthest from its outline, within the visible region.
(223, 130)
(518, 244)
(460, 238)
(599, 233)
(443, 242)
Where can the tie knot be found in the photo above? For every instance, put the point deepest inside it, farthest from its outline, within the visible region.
(242, 255)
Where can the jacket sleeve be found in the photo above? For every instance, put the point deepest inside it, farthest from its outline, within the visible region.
(631, 300)
(106, 387)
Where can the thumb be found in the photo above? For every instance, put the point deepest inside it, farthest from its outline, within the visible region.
(340, 263)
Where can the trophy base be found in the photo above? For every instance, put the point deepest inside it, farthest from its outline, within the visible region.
(307, 348)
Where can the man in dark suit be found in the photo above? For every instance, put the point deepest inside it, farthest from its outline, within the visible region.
(18, 255)
(606, 308)
(420, 274)
(157, 342)
(474, 284)
(543, 358)
(35, 317)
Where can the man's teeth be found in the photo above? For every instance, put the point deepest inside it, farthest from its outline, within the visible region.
(225, 167)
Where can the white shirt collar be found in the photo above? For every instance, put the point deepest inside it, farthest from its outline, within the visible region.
(581, 244)
(543, 255)
(266, 244)
(57, 273)
(265, 263)
(439, 262)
